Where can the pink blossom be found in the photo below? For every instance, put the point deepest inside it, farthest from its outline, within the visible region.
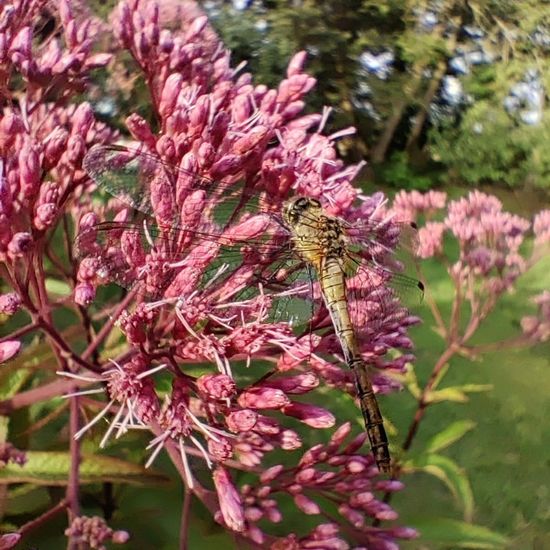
(409, 205)
(230, 502)
(430, 239)
(8, 453)
(93, 531)
(541, 227)
(9, 540)
(9, 303)
(9, 349)
(182, 305)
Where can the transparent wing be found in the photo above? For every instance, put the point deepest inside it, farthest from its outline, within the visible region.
(144, 181)
(170, 263)
(387, 248)
(378, 298)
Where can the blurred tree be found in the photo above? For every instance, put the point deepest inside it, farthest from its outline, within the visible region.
(430, 86)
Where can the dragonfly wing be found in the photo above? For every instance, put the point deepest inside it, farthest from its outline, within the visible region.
(124, 173)
(288, 284)
(126, 254)
(378, 297)
(144, 181)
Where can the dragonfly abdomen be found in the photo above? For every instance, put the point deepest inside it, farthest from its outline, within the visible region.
(372, 416)
(332, 280)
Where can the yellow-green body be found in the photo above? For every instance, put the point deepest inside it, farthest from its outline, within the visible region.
(321, 241)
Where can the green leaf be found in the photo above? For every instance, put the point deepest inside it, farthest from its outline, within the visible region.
(452, 433)
(450, 532)
(440, 375)
(456, 395)
(475, 388)
(451, 474)
(27, 499)
(52, 468)
(12, 380)
(411, 381)
(57, 287)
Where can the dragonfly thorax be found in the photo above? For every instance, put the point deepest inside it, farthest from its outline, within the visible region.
(316, 236)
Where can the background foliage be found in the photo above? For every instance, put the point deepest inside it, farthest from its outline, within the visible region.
(443, 106)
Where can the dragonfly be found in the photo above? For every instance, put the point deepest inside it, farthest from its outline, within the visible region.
(333, 263)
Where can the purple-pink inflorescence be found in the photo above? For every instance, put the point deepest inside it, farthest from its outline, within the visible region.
(216, 124)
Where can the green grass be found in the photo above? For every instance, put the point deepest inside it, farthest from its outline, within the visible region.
(506, 455)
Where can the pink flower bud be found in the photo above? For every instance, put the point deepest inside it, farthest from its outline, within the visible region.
(243, 420)
(301, 383)
(196, 28)
(166, 42)
(292, 110)
(541, 227)
(192, 209)
(84, 294)
(88, 268)
(405, 532)
(82, 119)
(230, 501)
(254, 514)
(55, 146)
(313, 416)
(241, 108)
(249, 229)
(140, 130)
(22, 43)
(296, 64)
(9, 303)
(356, 465)
(66, 63)
(226, 166)
(271, 473)
(217, 386)
(8, 349)
(9, 540)
(220, 450)
(206, 155)
(10, 126)
(306, 476)
(162, 199)
(65, 12)
(97, 61)
(29, 170)
(45, 215)
(340, 434)
(356, 518)
(295, 87)
(87, 221)
(199, 115)
(170, 93)
(186, 177)
(250, 140)
(290, 440)
(261, 397)
(389, 485)
(76, 148)
(166, 148)
(20, 244)
(306, 505)
(120, 537)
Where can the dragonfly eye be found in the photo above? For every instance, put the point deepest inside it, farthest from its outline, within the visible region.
(306, 203)
(301, 203)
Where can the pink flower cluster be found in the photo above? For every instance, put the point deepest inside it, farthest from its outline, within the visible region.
(255, 374)
(492, 247)
(94, 532)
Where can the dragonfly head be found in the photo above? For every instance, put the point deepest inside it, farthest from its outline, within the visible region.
(294, 210)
